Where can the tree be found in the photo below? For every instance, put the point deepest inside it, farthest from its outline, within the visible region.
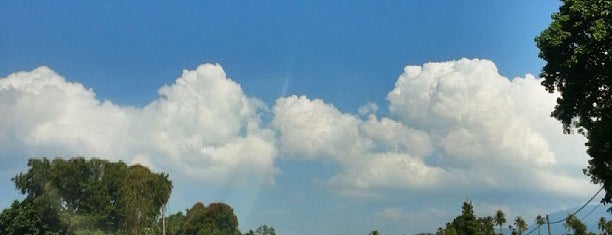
(577, 47)
(573, 223)
(467, 221)
(539, 221)
(250, 232)
(144, 194)
(217, 218)
(79, 196)
(265, 230)
(375, 232)
(601, 224)
(520, 224)
(194, 219)
(486, 225)
(174, 223)
(21, 218)
(223, 219)
(500, 220)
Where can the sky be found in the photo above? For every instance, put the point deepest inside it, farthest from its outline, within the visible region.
(314, 117)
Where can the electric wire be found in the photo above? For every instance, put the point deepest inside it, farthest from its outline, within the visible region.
(575, 212)
(579, 209)
(587, 215)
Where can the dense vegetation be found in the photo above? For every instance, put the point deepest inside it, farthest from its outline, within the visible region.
(80, 196)
(577, 47)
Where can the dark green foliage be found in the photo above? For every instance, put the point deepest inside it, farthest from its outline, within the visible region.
(217, 218)
(21, 218)
(80, 196)
(194, 221)
(223, 218)
(500, 219)
(521, 225)
(265, 230)
(539, 221)
(250, 232)
(174, 224)
(577, 47)
(604, 226)
(468, 224)
(576, 225)
(142, 195)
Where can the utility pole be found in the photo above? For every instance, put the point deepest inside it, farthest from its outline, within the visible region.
(548, 224)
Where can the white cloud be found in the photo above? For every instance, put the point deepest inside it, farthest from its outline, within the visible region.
(456, 124)
(202, 125)
(313, 129)
(451, 124)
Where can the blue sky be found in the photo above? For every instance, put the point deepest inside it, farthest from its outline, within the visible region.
(310, 121)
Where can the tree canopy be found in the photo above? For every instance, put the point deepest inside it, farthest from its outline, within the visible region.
(577, 48)
(467, 223)
(217, 218)
(82, 196)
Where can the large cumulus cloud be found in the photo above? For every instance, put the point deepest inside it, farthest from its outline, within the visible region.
(451, 124)
(202, 125)
(457, 123)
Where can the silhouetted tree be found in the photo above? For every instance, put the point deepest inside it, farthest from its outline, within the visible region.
(577, 48)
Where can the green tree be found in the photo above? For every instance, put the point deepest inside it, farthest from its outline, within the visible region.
(174, 223)
(42, 195)
(217, 218)
(21, 218)
(143, 194)
(520, 224)
(539, 221)
(573, 223)
(604, 226)
(250, 232)
(500, 220)
(375, 232)
(486, 225)
(577, 47)
(79, 196)
(265, 230)
(194, 220)
(223, 219)
(466, 223)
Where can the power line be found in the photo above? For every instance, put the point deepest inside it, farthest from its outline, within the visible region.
(587, 215)
(576, 212)
(579, 209)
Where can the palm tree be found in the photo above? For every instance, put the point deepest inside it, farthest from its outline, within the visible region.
(602, 225)
(521, 225)
(539, 222)
(500, 219)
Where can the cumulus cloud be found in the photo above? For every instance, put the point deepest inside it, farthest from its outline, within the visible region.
(451, 124)
(457, 123)
(203, 125)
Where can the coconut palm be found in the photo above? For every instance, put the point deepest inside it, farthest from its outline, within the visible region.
(520, 224)
(539, 222)
(500, 219)
(602, 225)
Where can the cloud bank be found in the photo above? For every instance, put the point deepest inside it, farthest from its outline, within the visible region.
(202, 125)
(450, 124)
